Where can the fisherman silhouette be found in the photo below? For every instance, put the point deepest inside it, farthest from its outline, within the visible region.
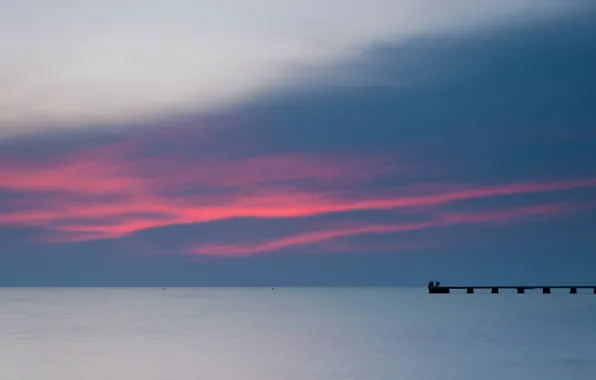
(431, 284)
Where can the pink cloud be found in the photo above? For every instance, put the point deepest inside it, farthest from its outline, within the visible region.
(100, 193)
(301, 239)
(325, 239)
(509, 215)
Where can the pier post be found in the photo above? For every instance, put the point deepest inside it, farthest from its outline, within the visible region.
(594, 290)
(545, 290)
(470, 291)
(520, 291)
(572, 290)
(496, 291)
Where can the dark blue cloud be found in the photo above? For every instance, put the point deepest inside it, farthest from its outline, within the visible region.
(515, 100)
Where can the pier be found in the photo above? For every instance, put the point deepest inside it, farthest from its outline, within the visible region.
(546, 289)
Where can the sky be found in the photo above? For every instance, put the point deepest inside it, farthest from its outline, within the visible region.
(286, 143)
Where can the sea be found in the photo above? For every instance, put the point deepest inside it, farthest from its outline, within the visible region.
(294, 334)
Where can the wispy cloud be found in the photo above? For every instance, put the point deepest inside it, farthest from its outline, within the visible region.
(325, 238)
(113, 191)
(321, 235)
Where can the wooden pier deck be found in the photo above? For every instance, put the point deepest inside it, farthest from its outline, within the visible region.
(546, 289)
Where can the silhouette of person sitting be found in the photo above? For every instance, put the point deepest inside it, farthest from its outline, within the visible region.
(437, 284)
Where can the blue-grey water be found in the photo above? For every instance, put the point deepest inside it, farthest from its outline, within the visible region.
(293, 334)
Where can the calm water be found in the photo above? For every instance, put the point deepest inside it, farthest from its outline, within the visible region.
(293, 333)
